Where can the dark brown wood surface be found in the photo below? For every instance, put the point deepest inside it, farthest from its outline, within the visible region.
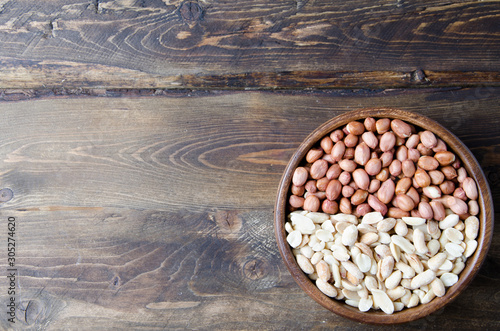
(248, 44)
(144, 141)
(156, 212)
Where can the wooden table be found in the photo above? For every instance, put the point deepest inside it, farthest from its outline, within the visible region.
(144, 142)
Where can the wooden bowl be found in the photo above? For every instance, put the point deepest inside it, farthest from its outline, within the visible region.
(473, 263)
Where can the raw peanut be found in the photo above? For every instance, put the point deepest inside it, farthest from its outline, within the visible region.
(359, 197)
(386, 224)
(345, 206)
(445, 158)
(329, 206)
(453, 249)
(300, 176)
(337, 135)
(473, 207)
(311, 203)
(449, 221)
(432, 192)
(428, 163)
(373, 166)
(424, 150)
(314, 154)
(338, 150)
(362, 154)
(397, 213)
(413, 194)
(449, 172)
(333, 189)
(322, 183)
(412, 141)
(296, 201)
(408, 168)
(334, 171)
(328, 158)
(425, 210)
(305, 264)
(386, 158)
(319, 169)
(413, 154)
(382, 300)
(395, 168)
(376, 204)
(470, 188)
(361, 178)
(403, 243)
(386, 191)
(315, 258)
(453, 235)
(440, 146)
(404, 202)
(422, 178)
(326, 288)
(319, 195)
(383, 175)
(310, 186)
(348, 191)
(352, 269)
(459, 193)
(422, 279)
(428, 139)
(402, 186)
(392, 281)
(355, 128)
(323, 270)
(448, 279)
(351, 140)
(370, 139)
(461, 174)
(402, 153)
(347, 165)
(470, 248)
(387, 141)
(349, 153)
(419, 241)
(298, 190)
(447, 187)
(457, 206)
(437, 177)
(345, 178)
(294, 238)
(471, 227)
(363, 209)
(368, 238)
(383, 125)
(326, 144)
(415, 213)
(374, 186)
(407, 271)
(400, 128)
(438, 210)
(370, 124)
(438, 288)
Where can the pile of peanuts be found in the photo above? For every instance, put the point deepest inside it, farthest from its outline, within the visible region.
(383, 215)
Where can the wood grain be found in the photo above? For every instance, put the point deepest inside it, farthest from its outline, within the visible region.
(156, 212)
(227, 44)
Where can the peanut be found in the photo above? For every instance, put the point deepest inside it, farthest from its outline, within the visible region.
(407, 215)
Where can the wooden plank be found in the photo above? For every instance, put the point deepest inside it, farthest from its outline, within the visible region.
(253, 44)
(156, 212)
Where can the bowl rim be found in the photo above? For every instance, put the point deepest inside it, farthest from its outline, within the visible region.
(473, 263)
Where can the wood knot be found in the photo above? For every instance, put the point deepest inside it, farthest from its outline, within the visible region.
(418, 76)
(190, 11)
(255, 269)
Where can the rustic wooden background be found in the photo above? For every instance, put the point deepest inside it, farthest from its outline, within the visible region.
(144, 142)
